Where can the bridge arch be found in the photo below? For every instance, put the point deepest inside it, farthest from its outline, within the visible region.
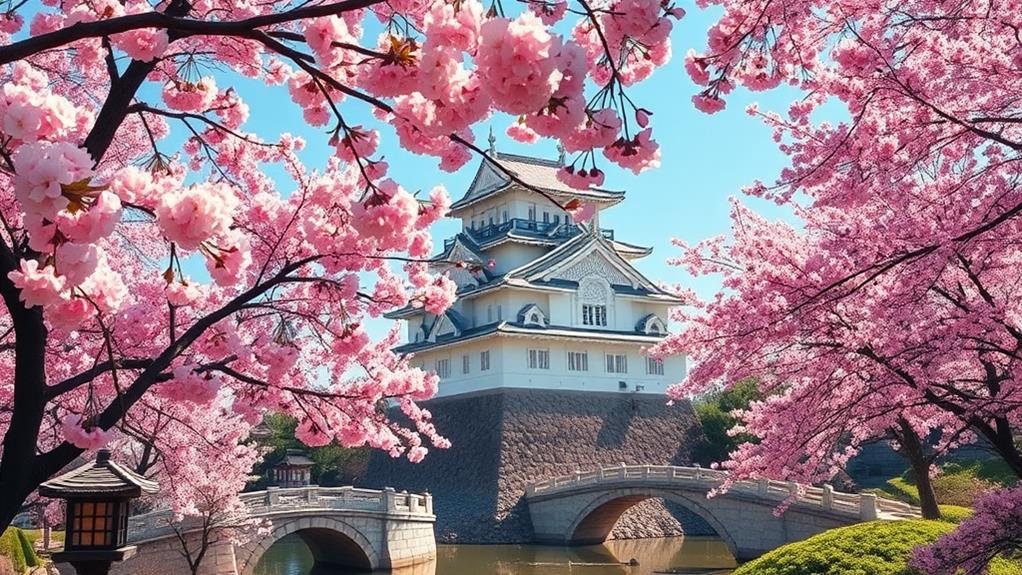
(331, 541)
(594, 521)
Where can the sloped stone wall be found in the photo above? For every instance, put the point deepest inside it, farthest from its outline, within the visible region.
(504, 439)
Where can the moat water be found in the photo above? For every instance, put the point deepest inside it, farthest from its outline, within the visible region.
(675, 555)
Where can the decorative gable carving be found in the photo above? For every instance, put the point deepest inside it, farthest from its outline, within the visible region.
(487, 179)
(651, 325)
(531, 315)
(594, 264)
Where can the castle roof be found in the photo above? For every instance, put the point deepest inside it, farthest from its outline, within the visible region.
(561, 268)
(518, 329)
(491, 180)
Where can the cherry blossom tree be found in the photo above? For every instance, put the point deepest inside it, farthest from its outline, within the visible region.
(894, 300)
(127, 164)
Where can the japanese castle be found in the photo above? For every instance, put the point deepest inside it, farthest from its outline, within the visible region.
(560, 306)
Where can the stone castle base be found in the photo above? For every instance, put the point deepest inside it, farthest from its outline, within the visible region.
(504, 439)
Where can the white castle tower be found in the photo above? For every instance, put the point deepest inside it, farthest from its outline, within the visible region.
(562, 308)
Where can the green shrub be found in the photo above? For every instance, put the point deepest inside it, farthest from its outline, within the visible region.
(874, 548)
(954, 514)
(27, 549)
(10, 547)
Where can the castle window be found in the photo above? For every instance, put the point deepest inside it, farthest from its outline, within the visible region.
(532, 212)
(500, 312)
(654, 366)
(443, 368)
(484, 360)
(504, 217)
(546, 217)
(578, 361)
(489, 313)
(595, 315)
(539, 359)
(617, 363)
(465, 361)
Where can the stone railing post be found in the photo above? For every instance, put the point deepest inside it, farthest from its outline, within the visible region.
(429, 502)
(867, 506)
(763, 486)
(828, 496)
(578, 476)
(645, 472)
(311, 494)
(389, 500)
(272, 496)
(793, 489)
(698, 472)
(599, 474)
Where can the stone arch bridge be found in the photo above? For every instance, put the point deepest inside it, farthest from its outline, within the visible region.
(360, 529)
(581, 509)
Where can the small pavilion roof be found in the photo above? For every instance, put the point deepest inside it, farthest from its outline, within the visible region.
(99, 477)
(296, 458)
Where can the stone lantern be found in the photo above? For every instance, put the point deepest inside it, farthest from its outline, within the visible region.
(97, 495)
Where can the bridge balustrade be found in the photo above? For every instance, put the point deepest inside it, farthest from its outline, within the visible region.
(275, 500)
(864, 505)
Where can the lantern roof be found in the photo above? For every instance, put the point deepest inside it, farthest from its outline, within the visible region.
(101, 477)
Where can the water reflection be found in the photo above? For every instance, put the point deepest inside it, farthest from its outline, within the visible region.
(290, 556)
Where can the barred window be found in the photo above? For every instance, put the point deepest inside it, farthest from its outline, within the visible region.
(465, 361)
(484, 360)
(595, 315)
(539, 359)
(443, 368)
(617, 363)
(654, 366)
(578, 361)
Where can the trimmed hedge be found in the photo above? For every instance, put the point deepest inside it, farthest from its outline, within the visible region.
(17, 547)
(874, 548)
(954, 513)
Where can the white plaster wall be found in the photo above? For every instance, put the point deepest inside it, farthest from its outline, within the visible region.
(508, 256)
(509, 367)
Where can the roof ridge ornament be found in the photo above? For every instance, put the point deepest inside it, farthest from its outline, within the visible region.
(492, 140)
(560, 153)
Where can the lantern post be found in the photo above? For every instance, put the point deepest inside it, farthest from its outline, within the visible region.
(98, 497)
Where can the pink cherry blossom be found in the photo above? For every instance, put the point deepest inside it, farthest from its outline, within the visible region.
(517, 63)
(581, 178)
(90, 439)
(190, 96)
(44, 169)
(638, 154)
(192, 215)
(549, 12)
(40, 287)
(76, 262)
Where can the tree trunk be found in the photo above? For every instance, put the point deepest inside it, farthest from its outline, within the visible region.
(912, 449)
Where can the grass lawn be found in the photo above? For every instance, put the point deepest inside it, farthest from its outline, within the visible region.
(958, 484)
